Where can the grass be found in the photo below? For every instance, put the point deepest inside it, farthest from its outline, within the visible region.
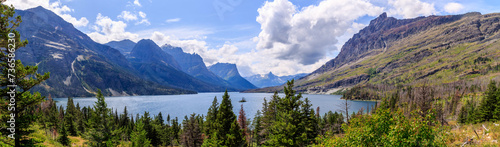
(458, 134)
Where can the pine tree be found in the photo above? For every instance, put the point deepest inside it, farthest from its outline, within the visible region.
(268, 117)
(69, 118)
(295, 123)
(159, 119)
(211, 118)
(489, 103)
(192, 134)
(257, 127)
(25, 77)
(242, 121)
(462, 116)
(139, 136)
(227, 132)
(63, 138)
(496, 110)
(159, 127)
(100, 133)
(152, 134)
(175, 131)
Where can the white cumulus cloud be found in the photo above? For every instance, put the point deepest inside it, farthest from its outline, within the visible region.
(144, 20)
(109, 30)
(453, 7)
(136, 2)
(56, 7)
(411, 8)
(305, 36)
(127, 16)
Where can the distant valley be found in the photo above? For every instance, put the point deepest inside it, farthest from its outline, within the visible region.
(270, 80)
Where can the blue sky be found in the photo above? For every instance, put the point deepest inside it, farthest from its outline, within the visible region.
(282, 36)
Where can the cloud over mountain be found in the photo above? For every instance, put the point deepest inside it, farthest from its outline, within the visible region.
(56, 7)
(306, 35)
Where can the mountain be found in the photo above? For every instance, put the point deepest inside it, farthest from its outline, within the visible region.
(124, 46)
(269, 80)
(78, 66)
(156, 65)
(230, 73)
(389, 51)
(193, 65)
(146, 51)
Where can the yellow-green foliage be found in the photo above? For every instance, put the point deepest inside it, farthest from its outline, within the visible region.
(386, 128)
(39, 137)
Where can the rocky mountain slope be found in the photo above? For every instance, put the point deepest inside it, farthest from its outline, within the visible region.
(124, 46)
(441, 49)
(78, 65)
(193, 65)
(154, 64)
(229, 72)
(269, 80)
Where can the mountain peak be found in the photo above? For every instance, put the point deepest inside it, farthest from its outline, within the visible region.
(146, 50)
(383, 15)
(124, 46)
(126, 40)
(172, 49)
(271, 75)
(146, 41)
(229, 72)
(379, 19)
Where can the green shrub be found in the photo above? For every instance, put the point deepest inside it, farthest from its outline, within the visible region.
(386, 128)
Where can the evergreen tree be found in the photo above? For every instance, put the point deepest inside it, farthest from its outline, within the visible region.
(152, 133)
(100, 133)
(159, 119)
(227, 132)
(139, 136)
(462, 116)
(63, 138)
(159, 126)
(268, 117)
(242, 121)
(61, 112)
(489, 103)
(70, 119)
(211, 118)
(25, 77)
(257, 127)
(176, 128)
(192, 134)
(295, 123)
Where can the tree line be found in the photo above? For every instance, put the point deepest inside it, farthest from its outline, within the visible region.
(283, 121)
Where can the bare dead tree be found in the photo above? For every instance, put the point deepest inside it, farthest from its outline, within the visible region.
(345, 109)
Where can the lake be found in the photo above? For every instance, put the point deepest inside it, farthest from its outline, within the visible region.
(182, 105)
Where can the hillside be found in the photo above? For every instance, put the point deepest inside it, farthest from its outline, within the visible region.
(389, 51)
